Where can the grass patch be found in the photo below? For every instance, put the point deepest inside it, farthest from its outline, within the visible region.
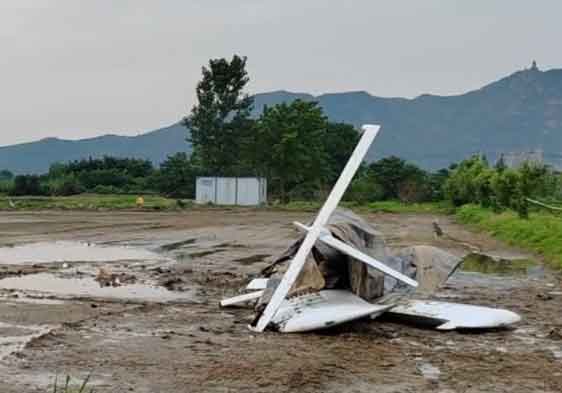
(374, 207)
(71, 386)
(399, 207)
(87, 202)
(541, 233)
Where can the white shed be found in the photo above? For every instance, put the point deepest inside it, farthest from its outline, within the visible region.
(243, 191)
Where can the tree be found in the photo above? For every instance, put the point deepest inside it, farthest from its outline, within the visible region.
(500, 164)
(437, 182)
(27, 185)
(393, 174)
(220, 123)
(469, 182)
(176, 177)
(290, 150)
(6, 175)
(339, 141)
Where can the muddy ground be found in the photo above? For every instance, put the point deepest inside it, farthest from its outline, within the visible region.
(165, 333)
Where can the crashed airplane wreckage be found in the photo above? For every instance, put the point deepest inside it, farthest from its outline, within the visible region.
(339, 271)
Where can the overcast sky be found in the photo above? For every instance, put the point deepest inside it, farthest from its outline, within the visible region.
(79, 68)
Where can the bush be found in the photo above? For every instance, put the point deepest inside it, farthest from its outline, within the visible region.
(28, 185)
(392, 173)
(505, 186)
(107, 190)
(473, 181)
(6, 175)
(176, 177)
(6, 186)
(469, 182)
(65, 186)
(364, 190)
(413, 191)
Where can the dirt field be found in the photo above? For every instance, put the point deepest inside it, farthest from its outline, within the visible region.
(154, 340)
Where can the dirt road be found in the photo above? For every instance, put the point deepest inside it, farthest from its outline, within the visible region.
(143, 337)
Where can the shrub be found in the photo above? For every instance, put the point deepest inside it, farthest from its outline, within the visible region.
(363, 190)
(106, 190)
(6, 186)
(28, 185)
(65, 186)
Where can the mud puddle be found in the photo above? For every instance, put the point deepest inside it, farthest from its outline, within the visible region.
(252, 259)
(90, 288)
(66, 251)
(13, 338)
(488, 264)
(490, 271)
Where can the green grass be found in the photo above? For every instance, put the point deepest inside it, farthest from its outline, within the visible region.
(71, 386)
(154, 202)
(374, 207)
(541, 233)
(399, 207)
(87, 202)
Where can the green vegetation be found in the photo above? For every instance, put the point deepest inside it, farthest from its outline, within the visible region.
(70, 386)
(292, 145)
(6, 181)
(500, 188)
(109, 175)
(89, 202)
(220, 125)
(374, 207)
(392, 178)
(540, 233)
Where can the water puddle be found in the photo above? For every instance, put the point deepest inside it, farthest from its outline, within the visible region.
(88, 287)
(201, 254)
(21, 297)
(252, 259)
(486, 264)
(176, 245)
(50, 252)
(17, 337)
(428, 371)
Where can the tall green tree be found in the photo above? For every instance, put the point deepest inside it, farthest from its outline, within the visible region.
(290, 149)
(220, 123)
(339, 141)
(396, 176)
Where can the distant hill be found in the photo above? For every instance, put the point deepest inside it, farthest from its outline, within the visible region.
(517, 114)
(36, 157)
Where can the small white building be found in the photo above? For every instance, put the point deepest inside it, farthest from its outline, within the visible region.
(242, 191)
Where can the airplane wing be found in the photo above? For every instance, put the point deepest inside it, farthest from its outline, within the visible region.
(449, 316)
(332, 307)
(323, 309)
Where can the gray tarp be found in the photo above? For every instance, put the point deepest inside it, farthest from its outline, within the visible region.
(327, 268)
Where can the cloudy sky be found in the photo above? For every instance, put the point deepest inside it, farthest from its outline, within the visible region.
(79, 68)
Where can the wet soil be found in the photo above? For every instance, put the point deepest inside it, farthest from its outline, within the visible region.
(177, 339)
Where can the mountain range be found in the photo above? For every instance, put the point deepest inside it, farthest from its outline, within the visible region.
(516, 114)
